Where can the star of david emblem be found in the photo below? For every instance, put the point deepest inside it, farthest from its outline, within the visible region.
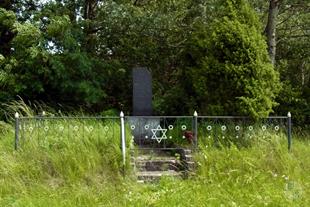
(159, 129)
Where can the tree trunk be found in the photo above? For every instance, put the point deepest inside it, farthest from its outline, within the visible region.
(89, 15)
(270, 30)
(89, 9)
(303, 73)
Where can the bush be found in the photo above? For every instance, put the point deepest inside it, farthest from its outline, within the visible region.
(232, 73)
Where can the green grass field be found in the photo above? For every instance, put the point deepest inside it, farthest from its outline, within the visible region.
(86, 172)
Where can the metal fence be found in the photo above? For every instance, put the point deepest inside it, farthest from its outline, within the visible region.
(153, 132)
(241, 131)
(44, 130)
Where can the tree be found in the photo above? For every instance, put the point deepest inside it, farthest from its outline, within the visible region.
(83, 51)
(47, 62)
(7, 33)
(292, 55)
(232, 73)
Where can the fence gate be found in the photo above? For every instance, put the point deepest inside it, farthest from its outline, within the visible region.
(162, 132)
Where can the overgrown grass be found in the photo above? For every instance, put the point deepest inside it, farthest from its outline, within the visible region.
(85, 171)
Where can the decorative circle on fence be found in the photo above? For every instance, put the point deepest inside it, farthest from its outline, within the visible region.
(276, 128)
(30, 129)
(264, 127)
(61, 128)
(132, 127)
(183, 127)
(146, 127)
(237, 128)
(46, 128)
(209, 128)
(170, 127)
(250, 128)
(223, 128)
(106, 128)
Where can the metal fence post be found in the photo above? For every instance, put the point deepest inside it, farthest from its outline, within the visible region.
(195, 129)
(289, 130)
(16, 130)
(123, 140)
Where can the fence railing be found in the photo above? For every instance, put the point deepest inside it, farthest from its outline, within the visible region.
(47, 130)
(224, 130)
(149, 132)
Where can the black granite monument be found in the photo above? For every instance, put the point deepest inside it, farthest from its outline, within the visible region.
(142, 92)
(142, 106)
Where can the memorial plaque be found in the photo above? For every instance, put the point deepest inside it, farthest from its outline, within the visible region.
(142, 92)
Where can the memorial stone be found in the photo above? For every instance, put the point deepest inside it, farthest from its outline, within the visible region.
(142, 92)
(142, 106)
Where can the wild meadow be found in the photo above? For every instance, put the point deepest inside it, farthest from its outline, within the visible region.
(79, 170)
(219, 57)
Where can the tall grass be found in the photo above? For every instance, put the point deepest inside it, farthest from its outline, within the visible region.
(79, 170)
(47, 172)
(87, 174)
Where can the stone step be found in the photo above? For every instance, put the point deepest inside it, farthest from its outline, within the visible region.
(187, 151)
(190, 166)
(188, 158)
(154, 151)
(156, 175)
(157, 165)
(154, 158)
(151, 165)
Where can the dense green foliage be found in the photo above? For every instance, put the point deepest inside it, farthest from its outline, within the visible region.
(86, 172)
(292, 56)
(233, 73)
(208, 56)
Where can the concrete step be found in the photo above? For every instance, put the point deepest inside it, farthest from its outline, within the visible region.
(187, 151)
(188, 158)
(157, 165)
(190, 166)
(154, 157)
(147, 176)
(151, 165)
